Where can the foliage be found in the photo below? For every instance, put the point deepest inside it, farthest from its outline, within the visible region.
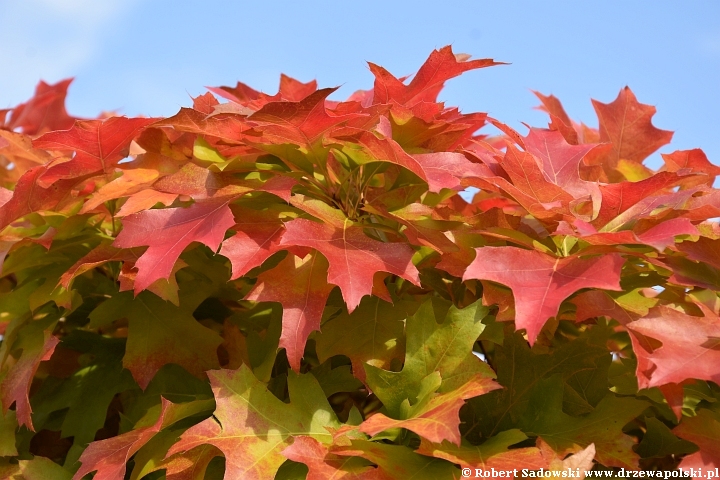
(293, 287)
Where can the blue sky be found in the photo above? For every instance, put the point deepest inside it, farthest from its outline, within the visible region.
(146, 57)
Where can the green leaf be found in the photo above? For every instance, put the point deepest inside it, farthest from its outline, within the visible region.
(159, 333)
(8, 426)
(397, 461)
(433, 347)
(583, 364)
(87, 393)
(334, 380)
(372, 333)
(603, 426)
(39, 468)
(659, 441)
(263, 323)
(171, 382)
(203, 151)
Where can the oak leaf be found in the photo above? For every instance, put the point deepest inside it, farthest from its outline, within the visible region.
(435, 417)
(37, 343)
(397, 461)
(603, 426)
(168, 231)
(109, 457)
(257, 237)
(322, 464)
(300, 286)
(98, 146)
(693, 160)
(130, 182)
(16, 149)
(689, 346)
(252, 427)
(354, 257)
(540, 282)
(300, 123)
(627, 125)
(29, 196)
(45, 111)
(442, 349)
(373, 333)
(561, 164)
(441, 65)
(704, 431)
(493, 453)
(227, 127)
(159, 333)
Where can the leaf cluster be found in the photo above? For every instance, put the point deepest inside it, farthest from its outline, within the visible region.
(287, 286)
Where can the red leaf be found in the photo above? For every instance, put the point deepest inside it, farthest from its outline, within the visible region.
(446, 169)
(619, 197)
(101, 254)
(527, 185)
(693, 160)
(552, 106)
(384, 150)
(251, 426)
(627, 124)
(98, 146)
(280, 186)
(323, 465)
(663, 235)
(559, 120)
(45, 111)
(293, 90)
(241, 93)
(165, 289)
(353, 256)
(439, 419)
(168, 231)
(5, 196)
(16, 149)
(109, 457)
(205, 103)
(15, 386)
(690, 347)
(29, 197)
(132, 181)
(190, 465)
(674, 396)
(299, 123)
(659, 236)
(492, 454)
(440, 66)
(538, 195)
(705, 250)
(301, 287)
(540, 282)
(145, 200)
(258, 237)
(596, 303)
(201, 183)
(703, 430)
(561, 162)
(229, 127)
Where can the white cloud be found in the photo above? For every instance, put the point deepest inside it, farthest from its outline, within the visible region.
(50, 40)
